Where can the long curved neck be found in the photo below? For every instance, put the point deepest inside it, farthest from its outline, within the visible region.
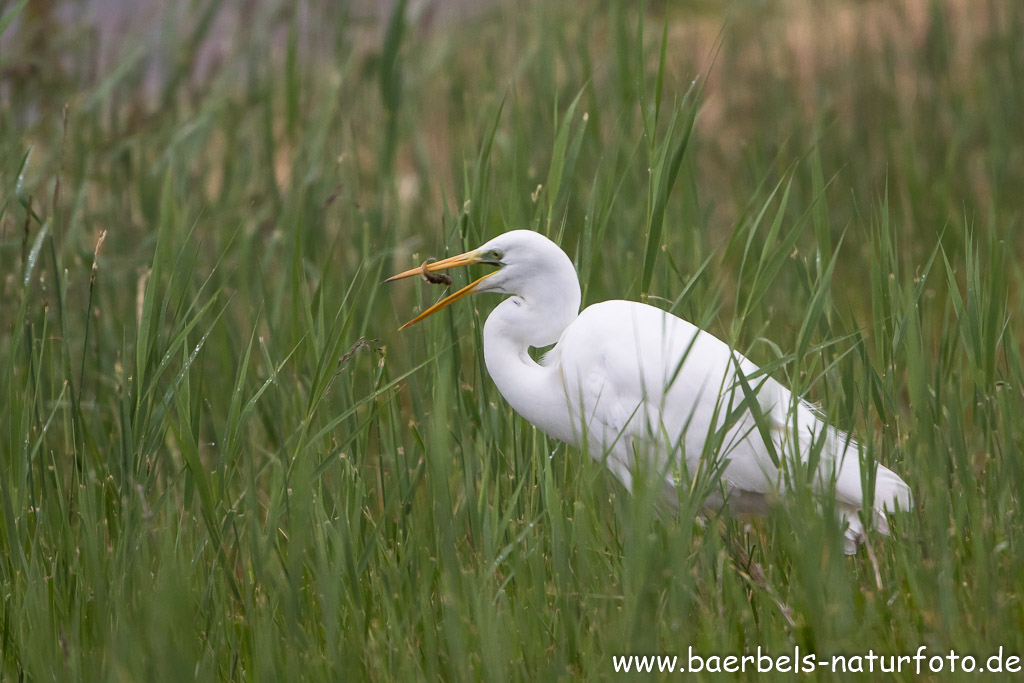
(536, 314)
(536, 318)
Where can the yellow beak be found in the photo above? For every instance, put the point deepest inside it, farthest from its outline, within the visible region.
(469, 258)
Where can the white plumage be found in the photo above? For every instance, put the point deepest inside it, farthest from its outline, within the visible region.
(628, 380)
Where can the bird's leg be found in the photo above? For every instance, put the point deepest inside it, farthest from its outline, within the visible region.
(874, 564)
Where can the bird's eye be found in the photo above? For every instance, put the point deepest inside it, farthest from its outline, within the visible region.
(495, 254)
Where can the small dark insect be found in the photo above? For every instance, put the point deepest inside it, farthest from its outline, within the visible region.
(434, 278)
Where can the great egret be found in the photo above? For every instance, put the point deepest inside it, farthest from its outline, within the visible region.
(628, 380)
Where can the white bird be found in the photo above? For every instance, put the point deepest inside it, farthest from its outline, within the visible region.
(626, 380)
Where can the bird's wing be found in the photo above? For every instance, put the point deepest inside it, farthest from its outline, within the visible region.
(634, 372)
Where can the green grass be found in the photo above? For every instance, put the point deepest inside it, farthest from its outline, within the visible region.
(220, 460)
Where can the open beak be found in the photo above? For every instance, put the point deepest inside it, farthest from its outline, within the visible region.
(469, 258)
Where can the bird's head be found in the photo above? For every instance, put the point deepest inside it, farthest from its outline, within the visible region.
(528, 265)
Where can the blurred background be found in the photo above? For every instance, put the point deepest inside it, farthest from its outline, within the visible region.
(893, 91)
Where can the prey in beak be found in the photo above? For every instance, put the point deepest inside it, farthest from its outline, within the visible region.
(467, 259)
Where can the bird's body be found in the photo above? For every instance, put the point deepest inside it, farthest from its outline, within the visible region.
(628, 380)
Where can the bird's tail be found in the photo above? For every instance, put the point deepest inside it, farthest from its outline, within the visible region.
(841, 466)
